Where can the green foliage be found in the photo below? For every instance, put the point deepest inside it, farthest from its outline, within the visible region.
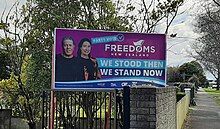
(9, 84)
(173, 74)
(179, 96)
(11, 97)
(192, 70)
(48, 15)
(29, 37)
(16, 93)
(4, 65)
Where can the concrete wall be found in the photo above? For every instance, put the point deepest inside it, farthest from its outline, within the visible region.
(182, 110)
(153, 108)
(19, 123)
(5, 118)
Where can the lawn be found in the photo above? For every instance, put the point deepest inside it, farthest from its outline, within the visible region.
(215, 93)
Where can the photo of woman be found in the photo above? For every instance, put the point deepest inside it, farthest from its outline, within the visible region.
(87, 65)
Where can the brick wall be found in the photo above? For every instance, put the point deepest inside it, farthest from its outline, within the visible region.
(152, 108)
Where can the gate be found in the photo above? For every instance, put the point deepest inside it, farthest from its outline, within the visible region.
(102, 109)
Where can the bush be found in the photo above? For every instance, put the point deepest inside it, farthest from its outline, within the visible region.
(179, 96)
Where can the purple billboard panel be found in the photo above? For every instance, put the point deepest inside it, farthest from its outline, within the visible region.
(103, 59)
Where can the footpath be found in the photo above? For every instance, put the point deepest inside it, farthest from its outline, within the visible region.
(206, 115)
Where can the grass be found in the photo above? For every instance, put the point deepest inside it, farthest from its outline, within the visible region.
(215, 93)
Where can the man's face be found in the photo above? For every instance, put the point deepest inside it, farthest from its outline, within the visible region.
(68, 47)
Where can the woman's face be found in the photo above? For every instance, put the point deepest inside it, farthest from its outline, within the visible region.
(86, 48)
(68, 47)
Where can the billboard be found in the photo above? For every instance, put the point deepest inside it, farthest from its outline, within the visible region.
(106, 59)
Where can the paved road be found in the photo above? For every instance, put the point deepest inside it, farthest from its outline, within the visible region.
(206, 115)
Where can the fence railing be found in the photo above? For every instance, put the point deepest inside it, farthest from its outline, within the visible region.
(102, 109)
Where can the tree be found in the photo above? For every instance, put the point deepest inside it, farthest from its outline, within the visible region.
(187, 72)
(207, 49)
(173, 74)
(45, 16)
(192, 69)
(28, 39)
(16, 27)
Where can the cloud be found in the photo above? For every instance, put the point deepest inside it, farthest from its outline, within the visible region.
(183, 27)
(7, 4)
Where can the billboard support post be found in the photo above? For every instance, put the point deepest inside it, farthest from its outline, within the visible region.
(126, 99)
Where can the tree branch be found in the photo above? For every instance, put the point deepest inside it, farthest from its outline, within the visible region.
(216, 2)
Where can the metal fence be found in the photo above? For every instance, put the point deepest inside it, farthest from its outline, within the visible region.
(102, 109)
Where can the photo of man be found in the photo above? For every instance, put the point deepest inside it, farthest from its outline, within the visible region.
(65, 68)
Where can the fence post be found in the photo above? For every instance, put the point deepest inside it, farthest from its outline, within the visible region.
(126, 101)
(51, 125)
(43, 96)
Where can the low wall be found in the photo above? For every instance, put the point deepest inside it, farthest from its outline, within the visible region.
(19, 123)
(5, 118)
(182, 110)
(153, 108)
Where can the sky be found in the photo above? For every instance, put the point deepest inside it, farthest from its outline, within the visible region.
(179, 46)
(183, 25)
